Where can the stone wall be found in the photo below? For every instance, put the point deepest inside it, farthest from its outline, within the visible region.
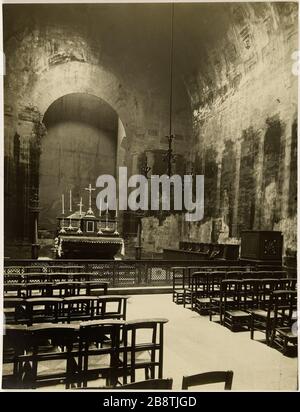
(234, 104)
(244, 99)
(57, 50)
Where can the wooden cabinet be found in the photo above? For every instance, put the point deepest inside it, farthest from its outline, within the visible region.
(261, 245)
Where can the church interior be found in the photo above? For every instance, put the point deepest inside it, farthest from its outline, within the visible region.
(104, 298)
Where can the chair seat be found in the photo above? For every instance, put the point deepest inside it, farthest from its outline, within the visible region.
(238, 313)
(9, 310)
(203, 300)
(263, 313)
(287, 333)
(219, 299)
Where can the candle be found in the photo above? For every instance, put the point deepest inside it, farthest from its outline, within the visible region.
(80, 207)
(100, 210)
(70, 200)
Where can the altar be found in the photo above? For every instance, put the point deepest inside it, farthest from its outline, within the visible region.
(82, 235)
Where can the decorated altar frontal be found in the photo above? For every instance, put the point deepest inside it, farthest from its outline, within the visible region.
(82, 235)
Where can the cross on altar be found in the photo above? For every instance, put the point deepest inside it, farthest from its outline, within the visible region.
(80, 204)
(90, 189)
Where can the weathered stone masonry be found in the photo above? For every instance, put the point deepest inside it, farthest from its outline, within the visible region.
(235, 105)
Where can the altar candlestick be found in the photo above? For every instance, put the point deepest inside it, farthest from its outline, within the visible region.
(100, 210)
(63, 204)
(106, 221)
(70, 200)
(80, 207)
(90, 189)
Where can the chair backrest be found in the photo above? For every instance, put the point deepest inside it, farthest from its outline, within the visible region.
(58, 334)
(266, 288)
(97, 288)
(44, 341)
(250, 293)
(38, 289)
(13, 289)
(100, 331)
(135, 342)
(208, 378)
(199, 282)
(65, 289)
(14, 341)
(80, 308)
(101, 339)
(214, 281)
(42, 310)
(149, 384)
(177, 277)
(283, 284)
(283, 303)
(14, 309)
(112, 307)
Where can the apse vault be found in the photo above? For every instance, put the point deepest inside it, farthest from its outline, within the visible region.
(81, 143)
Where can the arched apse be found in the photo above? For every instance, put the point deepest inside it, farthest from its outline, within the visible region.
(81, 143)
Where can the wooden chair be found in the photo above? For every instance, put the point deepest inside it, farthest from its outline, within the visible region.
(233, 315)
(15, 344)
(266, 288)
(99, 351)
(79, 308)
(208, 378)
(14, 309)
(66, 289)
(278, 314)
(285, 309)
(14, 290)
(178, 284)
(42, 310)
(202, 304)
(141, 352)
(50, 359)
(112, 307)
(228, 299)
(199, 288)
(250, 297)
(94, 287)
(150, 384)
(38, 289)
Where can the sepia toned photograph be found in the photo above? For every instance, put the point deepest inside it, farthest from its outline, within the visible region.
(150, 197)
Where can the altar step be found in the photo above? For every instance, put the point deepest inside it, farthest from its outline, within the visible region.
(140, 290)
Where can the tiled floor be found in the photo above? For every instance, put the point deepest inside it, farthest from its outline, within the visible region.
(193, 344)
